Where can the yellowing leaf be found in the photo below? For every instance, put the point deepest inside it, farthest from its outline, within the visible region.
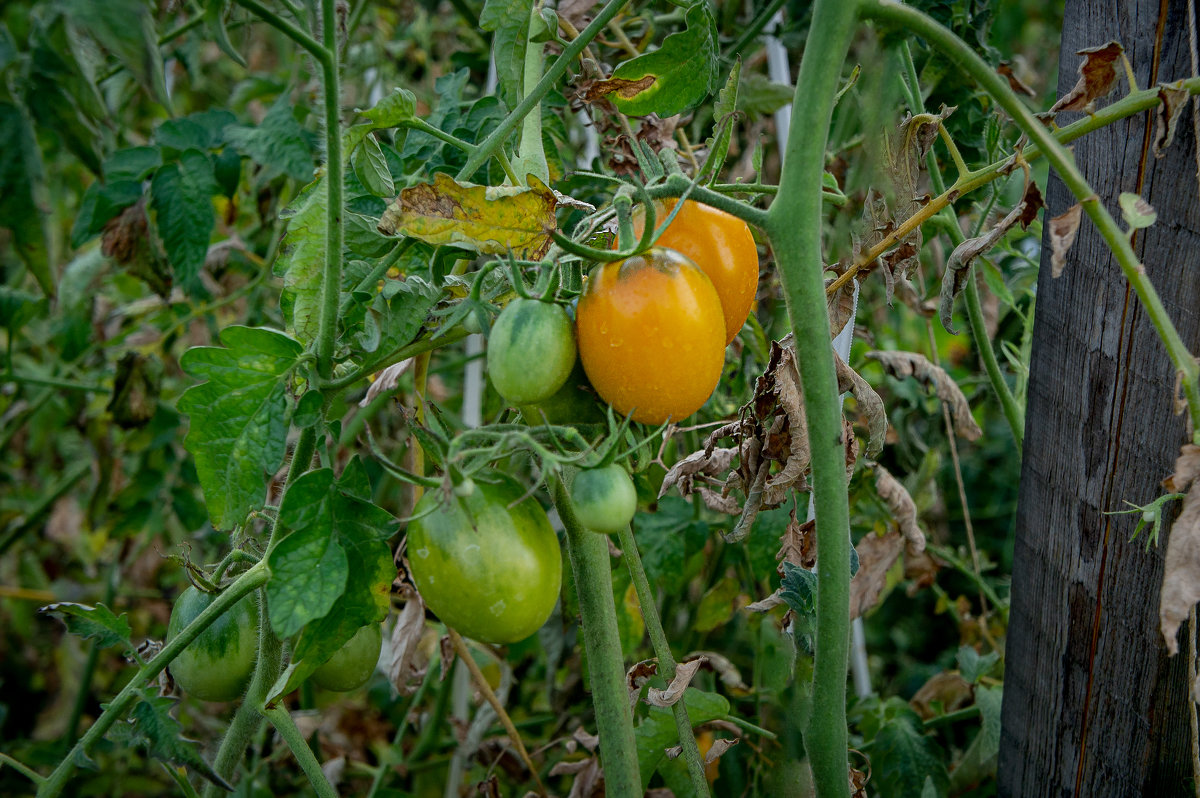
(488, 220)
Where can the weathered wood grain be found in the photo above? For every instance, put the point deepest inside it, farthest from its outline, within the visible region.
(1092, 706)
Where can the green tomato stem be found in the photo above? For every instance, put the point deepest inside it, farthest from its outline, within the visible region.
(794, 227)
(588, 553)
(281, 719)
(327, 324)
(666, 660)
(1063, 162)
(251, 580)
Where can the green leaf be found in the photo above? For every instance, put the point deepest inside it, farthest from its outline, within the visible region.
(18, 308)
(979, 762)
(371, 168)
(392, 111)
(152, 725)
(239, 417)
(214, 21)
(332, 572)
(363, 237)
(278, 143)
(102, 202)
(126, 29)
(974, 667)
(21, 187)
(759, 97)
(1137, 212)
(303, 260)
(683, 70)
(799, 589)
(723, 111)
(201, 131)
(181, 195)
(657, 732)
(98, 623)
(716, 606)
(508, 20)
(672, 543)
(903, 757)
(133, 163)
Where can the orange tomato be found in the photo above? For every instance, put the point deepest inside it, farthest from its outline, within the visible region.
(721, 245)
(651, 335)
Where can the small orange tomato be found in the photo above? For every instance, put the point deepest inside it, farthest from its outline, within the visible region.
(721, 245)
(651, 335)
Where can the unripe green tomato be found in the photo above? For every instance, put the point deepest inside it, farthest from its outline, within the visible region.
(352, 665)
(531, 350)
(604, 498)
(217, 665)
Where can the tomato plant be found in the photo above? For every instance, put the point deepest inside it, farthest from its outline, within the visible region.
(217, 665)
(604, 498)
(489, 568)
(531, 350)
(721, 245)
(651, 335)
(351, 665)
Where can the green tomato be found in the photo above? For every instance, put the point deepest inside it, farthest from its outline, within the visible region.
(604, 498)
(351, 665)
(490, 571)
(217, 665)
(531, 350)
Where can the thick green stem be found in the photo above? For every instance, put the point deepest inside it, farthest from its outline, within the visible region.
(1061, 159)
(794, 228)
(606, 664)
(987, 353)
(535, 95)
(666, 660)
(283, 723)
(331, 284)
(251, 580)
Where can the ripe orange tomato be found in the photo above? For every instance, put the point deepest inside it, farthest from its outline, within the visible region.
(651, 335)
(721, 245)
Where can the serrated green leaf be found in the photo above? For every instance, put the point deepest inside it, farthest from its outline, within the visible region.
(133, 163)
(392, 111)
(181, 194)
(759, 97)
(974, 667)
(328, 596)
(683, 69)
(126, 29)
(279, 143)
(508, 20)
(153, 726)
(1137, 212)
(201, 131)
(903, 757)
(799, 589)
(371, 168)
(723, 110)
(239, 417)
(21, 186)
(98, 623)
(214, 21)
(303, 260)
(671, 541)
(978, 763)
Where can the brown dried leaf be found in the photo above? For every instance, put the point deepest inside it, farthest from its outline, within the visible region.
(719, 747)
(766, 605)
(706, 462)
(674, 691)
(911, 364)
(1015, 83)
(387, 380)
(1062, 235)
(841, 307)
(718, 502)
(958, 266)
(944, 692)
(637, 675)
(588, 741)
(1172, 101)
(406, 638)
(876, 555)
(674, 752)
(869, 404)
(625, 89)
(1097, 76)
(721, 665)
(902, 507)
(799, 544)
(1181, 582)
(791, 477)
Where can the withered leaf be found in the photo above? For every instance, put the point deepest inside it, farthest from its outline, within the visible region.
(911, 364)
(705, 462)
(798, 544)
(958, 266)
(621, 87)
(765, 605)
(719, 747)
(406, 639)
(1014, 82)
(387, 380)
(485, 219)
(876, 555)
(1172, 100)
(869, 404)
(637, 675)
(1063, 229)
(943, 692)
(841, 306)
(1097, 76)
(1181, 580)
(684, 673)
(902, 507)
(721, 665)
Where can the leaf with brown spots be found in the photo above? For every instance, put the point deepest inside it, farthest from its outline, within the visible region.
(911, 364)
(484, 219)
(1181, 581)
(1097, 76)
(1015, 83)
(798, 544)
(902, 507)
(1063, 229)
(876, 556)
(620, 87)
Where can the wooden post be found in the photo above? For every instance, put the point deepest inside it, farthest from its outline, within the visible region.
(1092, 705)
